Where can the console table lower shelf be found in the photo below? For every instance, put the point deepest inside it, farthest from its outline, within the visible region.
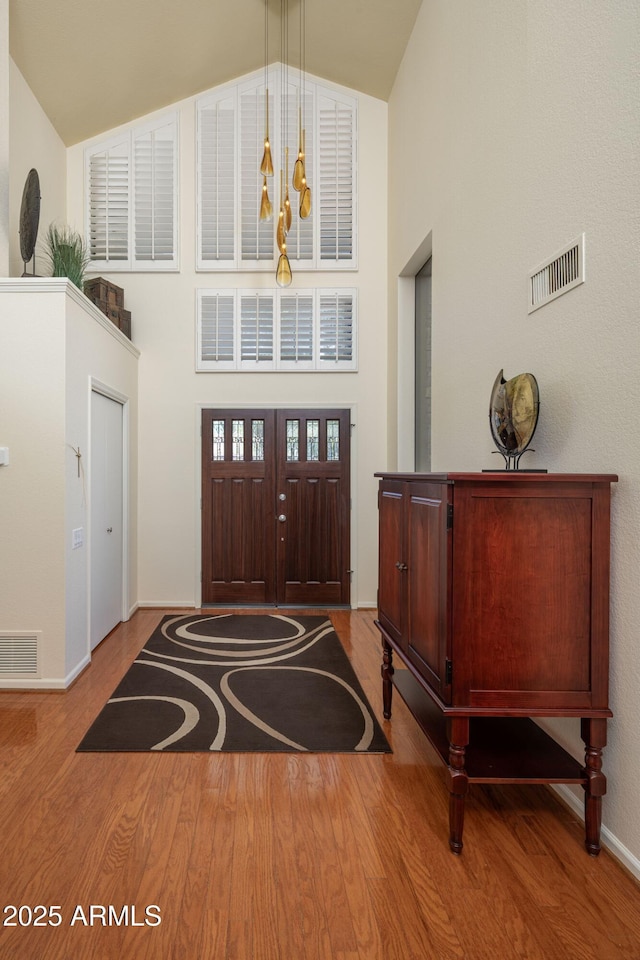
(490, 749)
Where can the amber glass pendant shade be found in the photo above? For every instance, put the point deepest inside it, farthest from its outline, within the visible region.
(305, 201)
(298, 172)
(266, 167)
(266, 210)
(283, 273)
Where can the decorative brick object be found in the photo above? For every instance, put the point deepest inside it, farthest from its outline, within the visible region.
(109, 298)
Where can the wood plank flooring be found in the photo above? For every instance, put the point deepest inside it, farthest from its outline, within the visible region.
(284, 857)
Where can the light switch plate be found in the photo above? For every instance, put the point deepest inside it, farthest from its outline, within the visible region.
(4, 456)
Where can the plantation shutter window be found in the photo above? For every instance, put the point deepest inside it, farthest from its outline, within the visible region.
(296, 330)
(336, 175)
(132, 199)
(216, 330)
(230, 136)
(217, 182)
(260, 330)
(257, 236)
(155, 193)
(256, 328)
(336, 328)
(108, 193)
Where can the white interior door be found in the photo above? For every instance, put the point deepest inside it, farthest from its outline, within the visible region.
(106, 515)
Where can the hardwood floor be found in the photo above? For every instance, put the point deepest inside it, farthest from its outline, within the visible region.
(285, 857)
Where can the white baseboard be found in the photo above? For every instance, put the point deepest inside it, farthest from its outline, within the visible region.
(607, 838)
(47, 683)
(161, 604)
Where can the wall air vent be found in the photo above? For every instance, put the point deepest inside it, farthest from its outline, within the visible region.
(19, 656)
(554, 277)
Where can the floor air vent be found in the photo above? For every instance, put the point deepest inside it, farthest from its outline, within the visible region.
(19, 656)
(558, 275)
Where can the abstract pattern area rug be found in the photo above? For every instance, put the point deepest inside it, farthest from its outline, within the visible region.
(239, 683)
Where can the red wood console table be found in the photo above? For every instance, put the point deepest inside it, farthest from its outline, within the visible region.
(494, 592)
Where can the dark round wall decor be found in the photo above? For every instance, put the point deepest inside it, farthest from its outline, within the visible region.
(513, 415)
(29, 219)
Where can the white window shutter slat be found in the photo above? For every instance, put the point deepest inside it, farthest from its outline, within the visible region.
(108, 202)
(296, 329)
(256, 328)
(336, 175)
(155, 195)
(217, 182)
(216, 330)
(257, 236)
(337, 328)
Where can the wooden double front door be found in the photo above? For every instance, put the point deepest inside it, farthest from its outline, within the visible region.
(275, 507)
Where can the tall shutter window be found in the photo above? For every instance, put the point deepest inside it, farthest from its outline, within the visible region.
(108, 202)
(132, 199)
(256, 328)
(296, 329)
(336, 175)
(216, 182)
(155, 179)
(216, 330)
(257, 236)
(336, 328)
(231, 128)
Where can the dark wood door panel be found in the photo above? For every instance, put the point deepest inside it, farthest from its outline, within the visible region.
(313, 476)
(239, 551)
(392, 578)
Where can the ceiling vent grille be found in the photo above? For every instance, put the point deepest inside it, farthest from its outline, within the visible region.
(19, 655)
(554, 277)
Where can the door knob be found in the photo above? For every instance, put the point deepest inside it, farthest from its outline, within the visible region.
(282, 496)
(282, 518)
(401, 566)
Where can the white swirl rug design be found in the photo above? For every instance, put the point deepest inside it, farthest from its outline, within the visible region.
(239, 683)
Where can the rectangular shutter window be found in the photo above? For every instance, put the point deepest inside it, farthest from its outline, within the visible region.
(336, 187)
(108, 200)
(216, 330)
(296, 328)
(257, 235)
(155, 195)
(336, 328)
(256, 327)
(217, 181)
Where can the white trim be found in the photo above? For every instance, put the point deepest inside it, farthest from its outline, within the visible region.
(281, 405)
(45, 683)
(97, 386)
(62, 285)
(607, 837)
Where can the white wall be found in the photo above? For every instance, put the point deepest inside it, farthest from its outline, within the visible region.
(53, 342)
(33, 143)
(163, 322)
(521, 124)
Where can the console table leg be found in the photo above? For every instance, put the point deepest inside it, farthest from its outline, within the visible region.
(594, 734)
(458, 780)
(387, 672)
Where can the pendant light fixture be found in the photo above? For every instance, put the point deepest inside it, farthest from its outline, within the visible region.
(299, 179)
(266, 166)
(283, 270)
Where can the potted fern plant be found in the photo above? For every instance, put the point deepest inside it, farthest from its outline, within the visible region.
(66, 253)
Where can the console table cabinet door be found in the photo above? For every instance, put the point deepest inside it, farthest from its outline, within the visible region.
(392, 579)
(429, 582)
(528, 585)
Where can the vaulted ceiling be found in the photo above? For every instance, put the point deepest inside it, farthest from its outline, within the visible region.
(93, 64)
